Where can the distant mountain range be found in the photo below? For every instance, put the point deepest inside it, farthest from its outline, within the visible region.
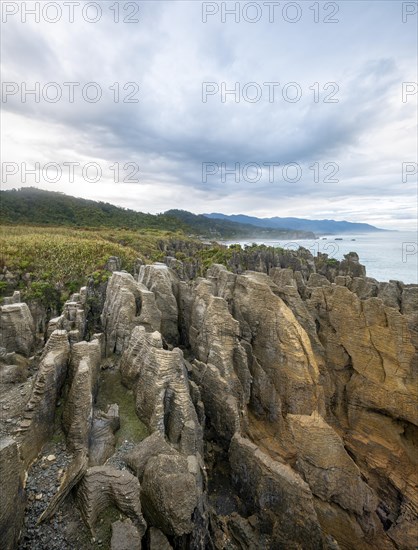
(32, 206)
(231, 229)
(319, 227)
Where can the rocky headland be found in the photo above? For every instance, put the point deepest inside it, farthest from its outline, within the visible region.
(270, 404)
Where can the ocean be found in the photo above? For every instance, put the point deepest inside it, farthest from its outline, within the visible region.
(387, 255)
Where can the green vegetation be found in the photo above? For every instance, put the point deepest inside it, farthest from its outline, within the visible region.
(53, 244)
(49, 263)
(225, 229)
(32, 206)
(38, 207)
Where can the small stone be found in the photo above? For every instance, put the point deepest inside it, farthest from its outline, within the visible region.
(9, 420)
(51, 458)
(39, 496)
(6, 407)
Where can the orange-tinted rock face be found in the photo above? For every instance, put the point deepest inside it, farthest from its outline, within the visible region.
(332, 385)
(286, 418)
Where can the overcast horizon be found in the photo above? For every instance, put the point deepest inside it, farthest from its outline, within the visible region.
(322, 123)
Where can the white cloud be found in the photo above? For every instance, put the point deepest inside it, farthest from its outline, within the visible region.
(170, 132)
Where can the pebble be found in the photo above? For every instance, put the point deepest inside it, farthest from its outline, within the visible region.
(39, 496)
(51, 458)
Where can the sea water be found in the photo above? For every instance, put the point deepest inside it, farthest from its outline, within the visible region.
(387, 255)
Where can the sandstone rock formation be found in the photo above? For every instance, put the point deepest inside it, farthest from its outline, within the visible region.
(103, 486)
(38, 424)
(163, 283)
(125, 536)
(285, 418)
(17, 330)
(159, 379)
(78, 409)
(127, 305)
(12, 501)
(169, 493)
(276, 492)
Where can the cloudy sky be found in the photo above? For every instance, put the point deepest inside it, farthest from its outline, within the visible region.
(129, 105)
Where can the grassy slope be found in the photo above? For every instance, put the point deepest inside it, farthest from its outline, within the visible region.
(33, 206)
(63, 258)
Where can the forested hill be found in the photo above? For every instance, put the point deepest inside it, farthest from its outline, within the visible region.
(211, 227)
(319, 227)
(30, 205)
(33, 206)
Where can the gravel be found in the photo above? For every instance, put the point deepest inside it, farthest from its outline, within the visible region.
(65, 530)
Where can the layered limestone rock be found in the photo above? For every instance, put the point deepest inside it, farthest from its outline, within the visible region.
(332, 357)
(157, 540)
(38, 424)
(376, 339)
(170, 493)
(173, 487)
(221, 367)
(372, 360)
(303, 383)
(280, 346)
(152, 446)
(17, 330)
(128, 304)
(13, 368)
(161, 388)
(102, 435)
(72, 318)
(12, 501)
(163, 282)
(103, 486)
(78, 410)
(278, 494)
(330, 472)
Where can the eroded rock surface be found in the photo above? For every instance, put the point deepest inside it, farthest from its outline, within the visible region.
(38, 424)
(103, 486)
(285, 417)
(12, 501)
(17, 329)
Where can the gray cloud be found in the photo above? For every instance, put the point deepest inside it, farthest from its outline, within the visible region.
(171, 132)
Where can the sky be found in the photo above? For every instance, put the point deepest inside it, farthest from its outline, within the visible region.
(305, 109)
